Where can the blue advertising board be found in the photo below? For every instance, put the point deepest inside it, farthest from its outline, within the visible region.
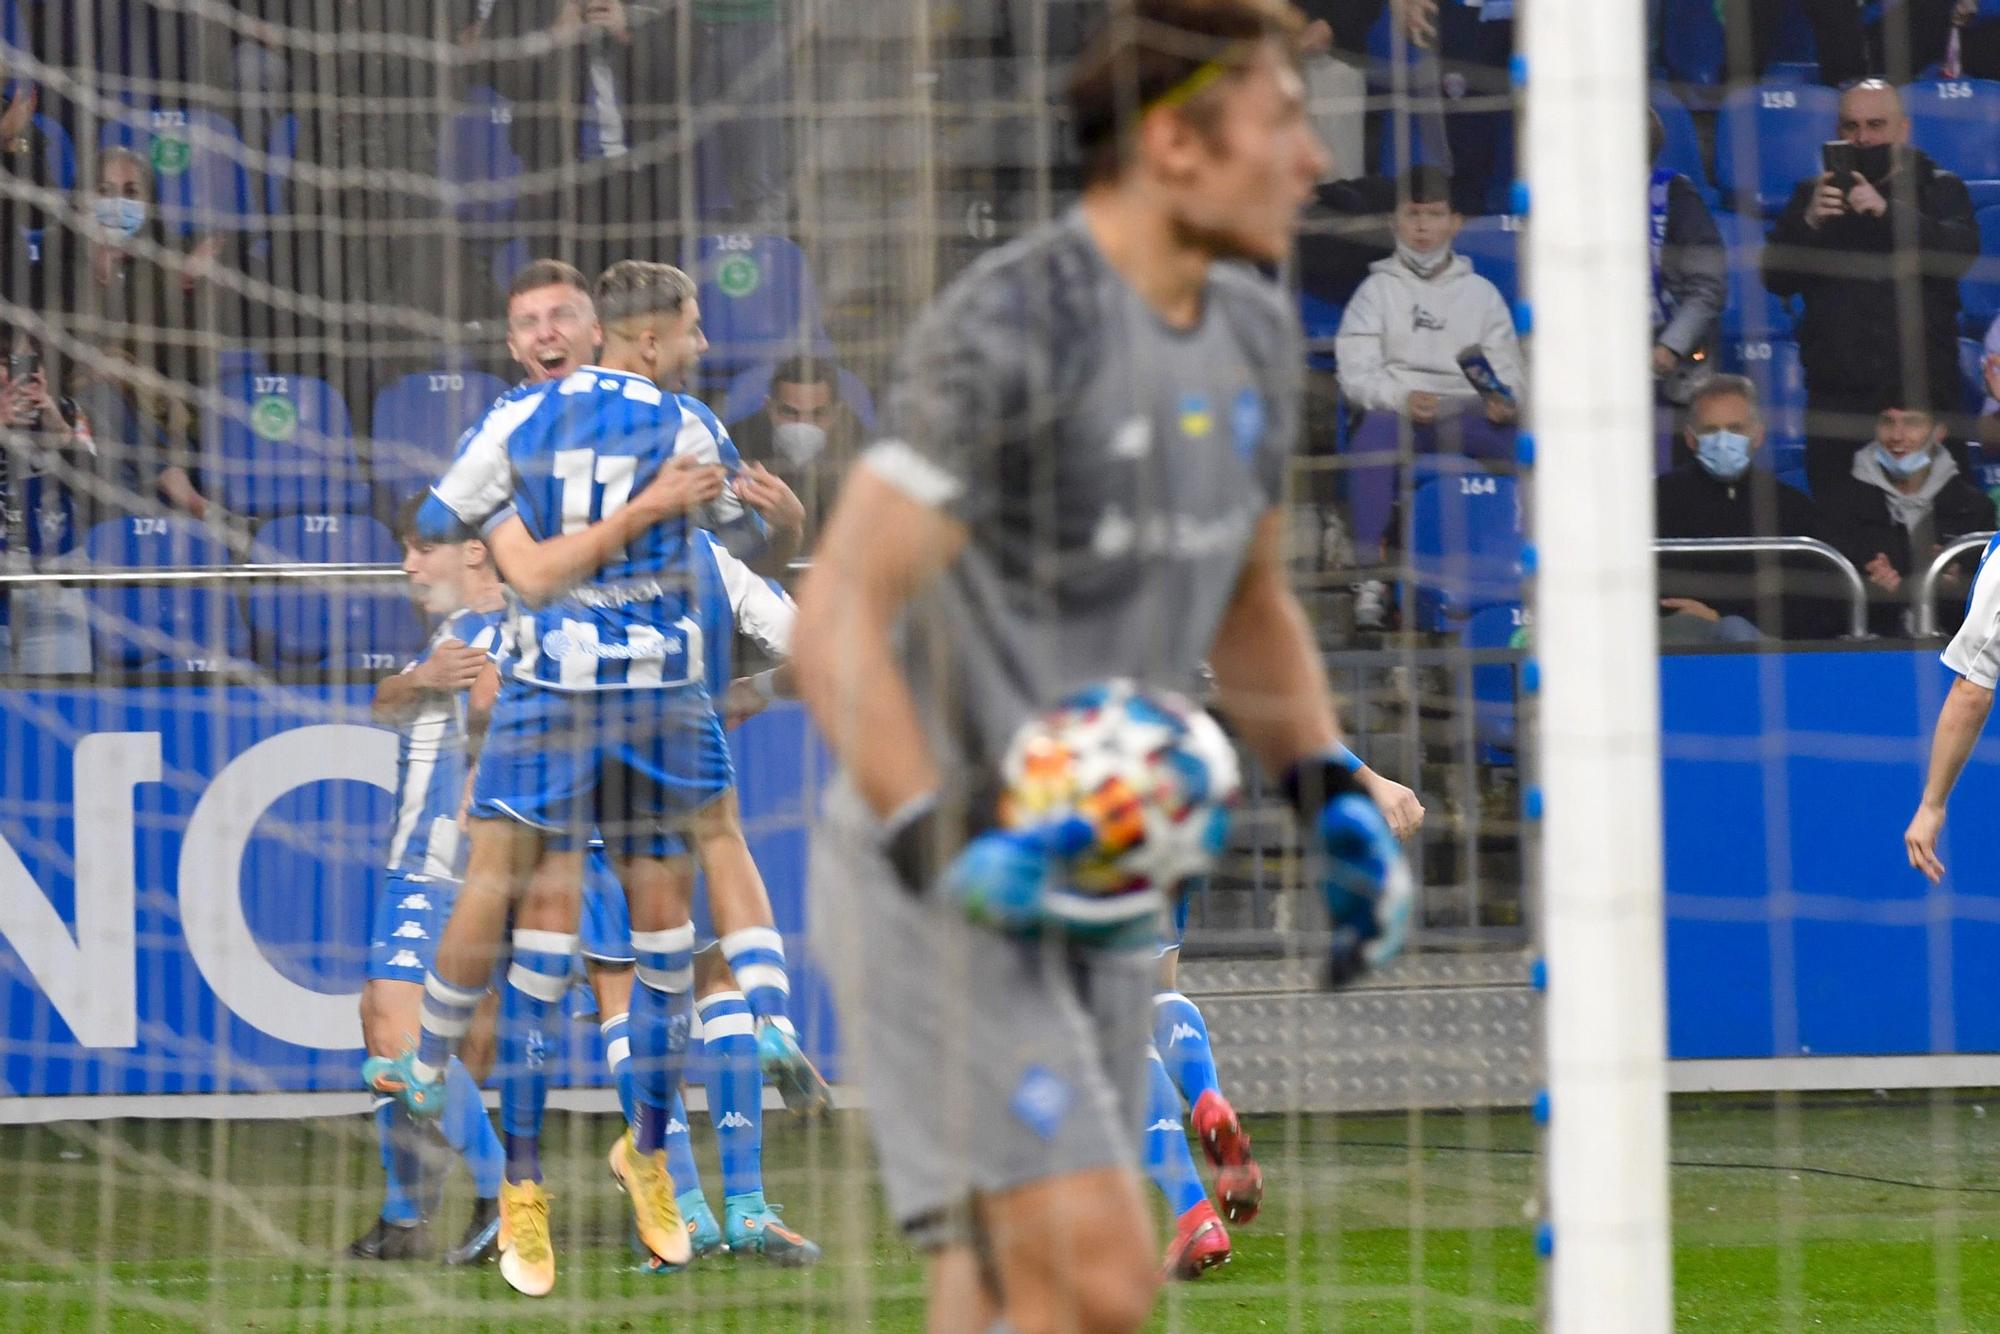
(186, 877)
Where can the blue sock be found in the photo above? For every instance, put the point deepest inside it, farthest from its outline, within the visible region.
(618, 1059)
(659, 1026)
(735, 1089)
(756, 955)
(680, 1149)
(447, 1014)
(401, 1163)
(1168, 1161)
(536, 981)
(469, 1130)
(1181, 1035)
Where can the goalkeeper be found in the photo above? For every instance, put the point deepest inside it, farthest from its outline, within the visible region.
(1083, 470)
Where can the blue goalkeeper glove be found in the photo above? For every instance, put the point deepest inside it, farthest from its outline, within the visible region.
(1363, 876)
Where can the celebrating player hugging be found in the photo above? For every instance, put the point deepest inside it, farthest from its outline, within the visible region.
(1085, 449)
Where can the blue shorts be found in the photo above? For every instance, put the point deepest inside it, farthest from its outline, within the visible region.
(633, 763)
(605, 934)
(410, 913)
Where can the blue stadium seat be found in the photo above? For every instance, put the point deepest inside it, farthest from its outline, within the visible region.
(1957, 121)
(1772, 364)
(477, 160)
(1465, 539)
(1493, 244)
(1979, 290)
(283, 444)
(416, 422)
(747, 390)
(1692, 44)
(282, 147)
(1752, 311)
(758, 301)
(198, 167)
(1767, 140)
(1681, 149)
(1494, 684)
(1972, 372)
(169, 627)
(332, 625)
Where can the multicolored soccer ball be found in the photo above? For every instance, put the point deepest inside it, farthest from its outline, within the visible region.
(1148, 770)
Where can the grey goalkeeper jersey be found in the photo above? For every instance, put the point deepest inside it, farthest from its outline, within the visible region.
(1110, 469)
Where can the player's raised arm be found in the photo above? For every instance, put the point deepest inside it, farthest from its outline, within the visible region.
(849, 603)
(543, 570)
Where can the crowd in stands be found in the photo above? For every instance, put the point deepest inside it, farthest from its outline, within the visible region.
(244, 265)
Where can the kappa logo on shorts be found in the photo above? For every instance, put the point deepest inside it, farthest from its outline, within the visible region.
(1041, 1100)
(405, 959)
(1163, 1124)
(733, 1121)
(409, 931)
(415, 901)
(1182, 1032)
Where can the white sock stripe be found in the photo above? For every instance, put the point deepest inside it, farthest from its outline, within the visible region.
(448, 1024)
(453, 997)
(784, 1025)
(673, 940)
(615, 1021)
(728, 1026)
(673, 981)
(617, 1052)
(381, 1100)
(753, 938)
(711, 1001)
(695, 1030)
(539, 985)
(544, 942)
(754, 976)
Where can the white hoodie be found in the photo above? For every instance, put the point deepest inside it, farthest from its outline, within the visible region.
(1402, 334)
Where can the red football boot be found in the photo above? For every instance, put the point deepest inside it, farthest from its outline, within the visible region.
(1239, 1182)
(1199, 1244)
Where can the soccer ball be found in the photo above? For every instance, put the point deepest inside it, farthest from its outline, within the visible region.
(1148, 770)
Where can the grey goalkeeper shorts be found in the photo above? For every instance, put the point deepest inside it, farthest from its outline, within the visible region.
(986, 1062)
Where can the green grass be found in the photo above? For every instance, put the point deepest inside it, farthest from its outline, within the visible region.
(1381, 1223)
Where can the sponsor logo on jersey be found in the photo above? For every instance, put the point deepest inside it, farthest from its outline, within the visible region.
(1182, 1031)
(1185, 536)
(405, 959)
(559, 644)
(733, 1121)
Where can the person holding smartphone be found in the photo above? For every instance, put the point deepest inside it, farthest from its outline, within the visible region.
(1844, 245)
(45, 451)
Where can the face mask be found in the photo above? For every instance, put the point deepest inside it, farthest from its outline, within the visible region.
(1724, 455)
(1424, 263)
(118, 216)
(1906, 467)
(799, 442)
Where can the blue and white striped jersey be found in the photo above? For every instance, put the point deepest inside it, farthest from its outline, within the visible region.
(731, 598)
(566, 454)
(430, 763)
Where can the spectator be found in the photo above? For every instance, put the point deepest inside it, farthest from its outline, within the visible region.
(804, 432)
(1904, 500)
(1690, 279)
(1715, 491)
(743, 81)
(1349, 225)
(125, 303)
(1400, 347)
(1874, 256)
(45, 465)
(1987, 432)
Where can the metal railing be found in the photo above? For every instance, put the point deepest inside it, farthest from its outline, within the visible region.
(1857, 589)
(221, 574)
(1926, 617)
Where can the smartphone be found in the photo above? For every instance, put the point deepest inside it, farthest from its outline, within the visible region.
(1841, 159)
(23, 365)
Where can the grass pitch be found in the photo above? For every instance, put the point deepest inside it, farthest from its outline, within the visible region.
(1377, 1223)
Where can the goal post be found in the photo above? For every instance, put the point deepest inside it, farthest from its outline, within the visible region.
(1607, 1230)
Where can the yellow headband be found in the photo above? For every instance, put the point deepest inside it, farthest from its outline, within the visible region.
(1190, 87)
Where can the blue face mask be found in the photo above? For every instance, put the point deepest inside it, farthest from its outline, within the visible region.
(1725, 455)
(119, 216)
(1906, 467)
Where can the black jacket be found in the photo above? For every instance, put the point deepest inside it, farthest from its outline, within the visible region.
(1787, 597)
(1858, 522)
(1845, 275)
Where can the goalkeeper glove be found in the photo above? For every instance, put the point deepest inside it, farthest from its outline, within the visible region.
(1362, 873)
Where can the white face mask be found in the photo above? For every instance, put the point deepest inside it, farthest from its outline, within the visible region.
(1423, 263)
(799, 442)
(119, 217)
